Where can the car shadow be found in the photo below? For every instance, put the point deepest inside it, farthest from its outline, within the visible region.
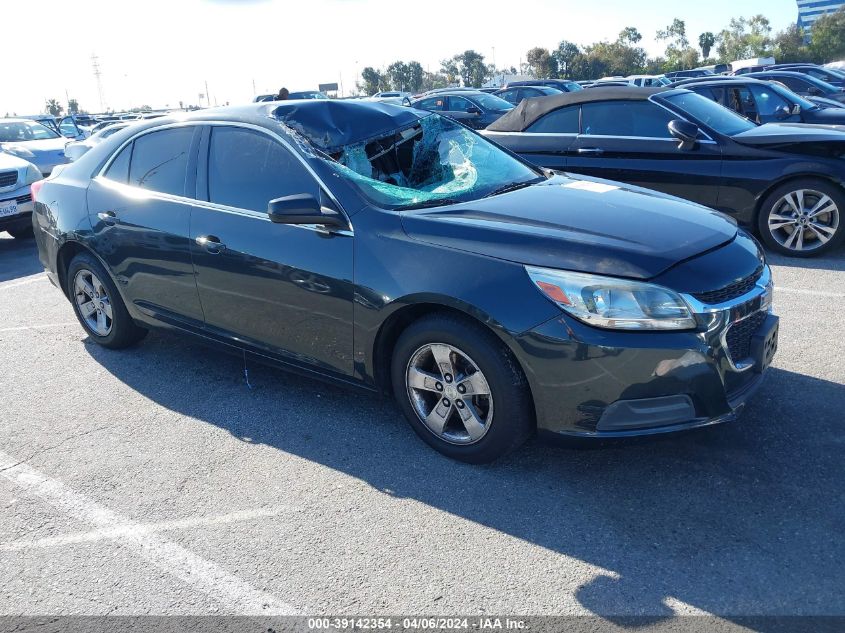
(742, 518)
(833, 261)
(18, 258)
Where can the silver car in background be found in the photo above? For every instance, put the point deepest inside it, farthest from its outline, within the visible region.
(16, 176)
(33, 142)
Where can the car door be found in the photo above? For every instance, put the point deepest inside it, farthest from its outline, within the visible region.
(284, 290)
(511, 96)
(629, 141)
(140, 216)
(69, 129)
(547, 141)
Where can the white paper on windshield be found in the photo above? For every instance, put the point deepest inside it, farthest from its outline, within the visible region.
(595, 187)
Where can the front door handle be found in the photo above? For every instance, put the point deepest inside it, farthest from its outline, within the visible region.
(211, 243)
(590, 151)
(108, 217)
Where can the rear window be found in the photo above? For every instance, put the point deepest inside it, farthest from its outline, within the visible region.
(563, 121)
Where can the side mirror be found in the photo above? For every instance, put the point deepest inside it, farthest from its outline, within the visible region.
(302, 208)
(473, 110)
(685, 132)
(782, 112)
(74, 151)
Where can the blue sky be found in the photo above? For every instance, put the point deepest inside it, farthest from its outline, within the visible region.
(158, 52)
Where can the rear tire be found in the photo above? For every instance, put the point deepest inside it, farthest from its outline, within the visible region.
(98, 305)
(461, 389)
(21, 232)
(803, 218)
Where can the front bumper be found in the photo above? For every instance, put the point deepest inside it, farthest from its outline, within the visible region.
(591, 382)
(22, 197)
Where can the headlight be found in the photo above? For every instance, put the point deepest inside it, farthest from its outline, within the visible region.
(614, 303)
(33, 174)
(18, 150)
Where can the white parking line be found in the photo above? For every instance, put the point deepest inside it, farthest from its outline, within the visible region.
(142, 528)
(201, 574)
(23, 282)
(815, 293)
(43, 326)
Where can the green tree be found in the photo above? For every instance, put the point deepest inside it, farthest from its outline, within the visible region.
(828, 37)
(469, 66)
(629, 35)
(72, 106)
(745, 38)
(790, 45)
(398, 76)
(675, 34)
(53, 107)
(564, 56)
(415, 76)
(541, 62)
(706, 41)
(371, 81)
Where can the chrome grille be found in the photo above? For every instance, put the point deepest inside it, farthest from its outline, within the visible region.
(731, 291)
(740, 334)
(8, 178)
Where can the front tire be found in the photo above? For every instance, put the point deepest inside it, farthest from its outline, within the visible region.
(461, 389)
(98, 305)
(803, 218)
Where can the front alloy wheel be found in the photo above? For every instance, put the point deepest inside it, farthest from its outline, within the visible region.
(446, 372)
(449, 393)
(803, 219)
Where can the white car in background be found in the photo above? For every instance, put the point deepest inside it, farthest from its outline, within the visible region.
(34, 142)
(16, 176)
(76, 149)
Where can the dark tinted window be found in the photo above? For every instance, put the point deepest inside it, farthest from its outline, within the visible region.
(119, 169)
(625, 118)
(459, 104)
(159, 160)
(435, 104)
(248, 169)
(563, 121)
(509, 95)
(794, 83)
(768, 100)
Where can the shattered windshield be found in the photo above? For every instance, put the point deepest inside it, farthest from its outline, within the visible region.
(435, 161)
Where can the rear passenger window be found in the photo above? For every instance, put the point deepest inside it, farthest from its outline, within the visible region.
(563, 121)
(160, 159)
(625, 118)
(248, 169)
(119, 169)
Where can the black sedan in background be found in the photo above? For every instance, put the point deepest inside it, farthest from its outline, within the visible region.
(516, 94)
(473, 108)
(765, 101)
(564, 85)
(802, 84)
(783, 180)
(398, 251)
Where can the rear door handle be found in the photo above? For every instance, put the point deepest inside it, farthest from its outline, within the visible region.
(590, 151)
(108, 217)
(211, 243)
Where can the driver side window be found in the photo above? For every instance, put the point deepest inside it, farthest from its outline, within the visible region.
(247, 169)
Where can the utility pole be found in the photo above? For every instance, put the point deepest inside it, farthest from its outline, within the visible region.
(95, 64)
(207, 96)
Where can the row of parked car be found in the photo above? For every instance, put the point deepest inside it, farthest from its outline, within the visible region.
(728, 142)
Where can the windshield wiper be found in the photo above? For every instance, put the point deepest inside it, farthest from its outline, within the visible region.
(513, 186)
(436, 202)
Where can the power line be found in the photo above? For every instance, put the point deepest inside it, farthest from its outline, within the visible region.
(95, 64)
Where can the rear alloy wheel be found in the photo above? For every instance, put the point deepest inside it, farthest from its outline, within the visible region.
(98, 305)
(803, 218)
(461, 389)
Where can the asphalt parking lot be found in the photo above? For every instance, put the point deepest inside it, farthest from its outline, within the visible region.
(156, 481)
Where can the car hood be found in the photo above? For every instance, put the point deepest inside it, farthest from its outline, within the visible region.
(10, 161)
(581, 224)
(779, 133)
(826, 116)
